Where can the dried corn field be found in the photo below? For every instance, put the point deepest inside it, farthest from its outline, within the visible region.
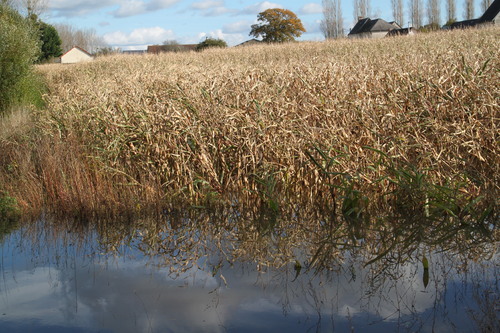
(348, 121)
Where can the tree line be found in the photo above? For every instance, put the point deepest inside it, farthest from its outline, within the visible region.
(332, 23)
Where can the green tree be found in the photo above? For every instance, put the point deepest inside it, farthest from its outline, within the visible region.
(19, 48)
(277, 25)
(211, 42)
(51, 43)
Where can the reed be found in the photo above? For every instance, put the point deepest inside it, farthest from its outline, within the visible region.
(134, 132)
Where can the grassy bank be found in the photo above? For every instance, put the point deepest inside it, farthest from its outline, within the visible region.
(357, 125)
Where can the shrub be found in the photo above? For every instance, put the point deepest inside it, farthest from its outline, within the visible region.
(19, 48)
(211, 42)
(9, 210)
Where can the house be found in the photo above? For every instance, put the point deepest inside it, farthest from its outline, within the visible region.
(156, 49)
(250, 42)
(75, 55)
(402, 32)
(367, 28)
(490, 16)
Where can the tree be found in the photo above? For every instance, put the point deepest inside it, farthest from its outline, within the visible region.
(18, 50)
(416, 13)
(86, 39)
(433, 12)
(398, 11)
(469, 9)
(451, 9)
(485, 4)
(361, 9)
(51, 43)
(210, 43)
(277, 25)
(332, 25)
(32, 8)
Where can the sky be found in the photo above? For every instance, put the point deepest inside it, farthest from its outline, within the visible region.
(134, 24)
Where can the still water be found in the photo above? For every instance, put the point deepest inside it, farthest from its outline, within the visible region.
(234, 272)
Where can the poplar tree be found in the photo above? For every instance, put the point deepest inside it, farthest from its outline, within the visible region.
(361, 8)
(433, 12)
(485, 4)
(332, 25)
(398, 11)
(451, 9)
(416, 12)
(469, 9)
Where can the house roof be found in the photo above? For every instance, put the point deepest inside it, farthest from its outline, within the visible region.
(489, 16)
(250, 42)
(492, 12)
(78, 48)
(465, 24)
(368, 25)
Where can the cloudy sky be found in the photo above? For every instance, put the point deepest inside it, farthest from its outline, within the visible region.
(134, 24)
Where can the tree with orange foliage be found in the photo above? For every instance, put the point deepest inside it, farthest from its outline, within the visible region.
(277, 25)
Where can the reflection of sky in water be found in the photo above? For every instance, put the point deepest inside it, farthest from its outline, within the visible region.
(58, 288)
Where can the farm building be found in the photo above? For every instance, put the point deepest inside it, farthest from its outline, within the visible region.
(76, 55)
(367, 28)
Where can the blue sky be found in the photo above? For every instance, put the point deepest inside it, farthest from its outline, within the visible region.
(134, 24)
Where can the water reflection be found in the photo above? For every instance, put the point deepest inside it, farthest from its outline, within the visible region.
(245, 271)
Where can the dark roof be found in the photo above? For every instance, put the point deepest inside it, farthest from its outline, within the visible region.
(489, 15)
(492, 12)
(172, 48)
(465, 24)
(367, 25)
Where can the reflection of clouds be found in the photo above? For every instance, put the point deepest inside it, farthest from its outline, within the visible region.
(134, 295)
(32, 296)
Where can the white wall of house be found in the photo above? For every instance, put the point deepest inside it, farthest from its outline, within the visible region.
(375, 35)
(74, 56)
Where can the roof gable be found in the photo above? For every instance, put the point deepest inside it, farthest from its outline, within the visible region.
(367, 25)
(492, 12)
(78, 49)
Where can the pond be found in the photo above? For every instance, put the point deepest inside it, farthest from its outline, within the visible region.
(202, 270)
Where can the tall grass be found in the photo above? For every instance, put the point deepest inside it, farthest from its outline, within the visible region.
(125, 132)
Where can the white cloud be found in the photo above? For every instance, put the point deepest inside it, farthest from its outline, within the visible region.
(237, 27)
(73, 8)
(137, 7)
(206, 4)
(211, 8)
(218, 11)
(160, 4)
(231, 39)
(312, 27)
(312, 8)
(260, 7)
(142, 36)
(130, 8)
(125, 8)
